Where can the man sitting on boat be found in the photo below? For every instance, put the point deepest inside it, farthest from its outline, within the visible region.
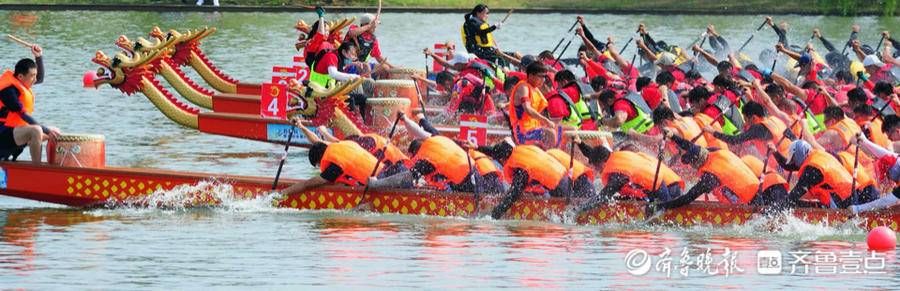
(631, 174)
(20, 129)
(730, 178)
(823, 176)
(392, 158)
(343, 162)
(363, 36)
(527, 105)
(533, 170)
(443, 163)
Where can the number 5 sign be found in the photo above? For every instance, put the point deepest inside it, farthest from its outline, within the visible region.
(473, 128)
(273, 101)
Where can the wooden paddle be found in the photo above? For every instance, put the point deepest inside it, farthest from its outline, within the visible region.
(19, 41)
(378, 163)
(287, 146)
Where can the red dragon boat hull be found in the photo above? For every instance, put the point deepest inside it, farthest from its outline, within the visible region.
(98, 187)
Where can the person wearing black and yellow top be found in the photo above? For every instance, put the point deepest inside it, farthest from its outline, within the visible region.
(477, 33)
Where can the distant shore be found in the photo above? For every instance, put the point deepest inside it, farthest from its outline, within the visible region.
(759, 7)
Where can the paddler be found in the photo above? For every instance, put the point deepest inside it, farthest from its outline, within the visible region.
(329, 65)
(443, 163)
(20, 129)
(533, 170)
(821, 175)
(887, 168)
(363, 36)
(727, 176)
(631, 174)
(392, 158)
(343, 162)
(477, 35)
(568, 105)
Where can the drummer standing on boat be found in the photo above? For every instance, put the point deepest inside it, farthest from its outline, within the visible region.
(19, 128)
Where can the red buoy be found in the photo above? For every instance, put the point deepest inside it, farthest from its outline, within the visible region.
(882, 238)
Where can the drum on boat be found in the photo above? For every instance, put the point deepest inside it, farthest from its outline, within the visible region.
(404, 73)
(77, 150)
(397, 89)
(383, 111)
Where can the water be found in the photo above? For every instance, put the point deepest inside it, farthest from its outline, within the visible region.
(249, 244)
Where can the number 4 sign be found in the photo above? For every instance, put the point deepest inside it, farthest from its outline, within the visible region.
(473, 128)
(273, 101)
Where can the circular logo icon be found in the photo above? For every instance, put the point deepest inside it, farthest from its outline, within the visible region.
(637, 262)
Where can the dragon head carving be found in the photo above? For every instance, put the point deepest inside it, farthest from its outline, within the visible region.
(122, 71)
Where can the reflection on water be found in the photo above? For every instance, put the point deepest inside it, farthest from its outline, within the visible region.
(249, 244)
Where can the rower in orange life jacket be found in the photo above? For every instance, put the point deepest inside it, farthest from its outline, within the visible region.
(822, 175)
(19, 127)
(729, 178)
(863, 114)
(529, 166)
(697, 98)
(443, 163)
(343, 162)
(763, 129)
(839, 130)
(527, 105)
(631, 174)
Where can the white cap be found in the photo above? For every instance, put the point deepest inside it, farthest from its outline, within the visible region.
(366, 18)
(666, 59)
(872, 60)
(459, 58)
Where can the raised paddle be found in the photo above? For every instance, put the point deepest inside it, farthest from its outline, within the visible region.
(378, 163)
(751, 36)
(509, 13)
(287, 146)
(563, 38)
(878, 47)
(566, 47)
(28, 44)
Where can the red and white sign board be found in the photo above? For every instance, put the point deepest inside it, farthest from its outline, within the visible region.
(440, 51)
(473, 128)
(301, 69)
(273, 101)
(281, 75)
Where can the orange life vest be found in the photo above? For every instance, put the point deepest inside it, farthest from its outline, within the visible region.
(711, 140)
(392, 154)
(355, 162)
(26, 97)
(846, 129)
(448, 159)
(484, 164)
(522, 122)
(733, 174)
(876, 135)
(776, 128)
(771, 178)
(640, 168)
(688, 129)
(540, 166)
(863, 177)
(578, 168)
(836, 178)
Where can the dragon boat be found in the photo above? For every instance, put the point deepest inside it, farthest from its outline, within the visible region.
(237, 114)
(92, 184)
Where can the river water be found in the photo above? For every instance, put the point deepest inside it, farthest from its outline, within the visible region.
(249, 244)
